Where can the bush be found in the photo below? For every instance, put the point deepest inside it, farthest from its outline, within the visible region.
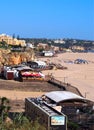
(73, 126)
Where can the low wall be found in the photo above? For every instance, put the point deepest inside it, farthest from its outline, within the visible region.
(65, 86)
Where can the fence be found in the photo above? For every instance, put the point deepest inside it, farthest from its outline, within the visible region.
(64, 86)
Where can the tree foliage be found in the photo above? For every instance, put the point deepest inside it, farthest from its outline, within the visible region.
(19, 121)
(4, 108)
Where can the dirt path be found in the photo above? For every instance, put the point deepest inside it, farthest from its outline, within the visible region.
(19, 95)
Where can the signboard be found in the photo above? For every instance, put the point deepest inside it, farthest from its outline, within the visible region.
(58, 120)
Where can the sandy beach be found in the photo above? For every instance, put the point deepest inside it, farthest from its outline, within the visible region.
(79, 75)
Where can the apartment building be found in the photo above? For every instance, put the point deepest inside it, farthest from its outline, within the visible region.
(11, 41)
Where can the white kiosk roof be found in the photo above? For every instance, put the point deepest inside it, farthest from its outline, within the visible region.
(59, 96)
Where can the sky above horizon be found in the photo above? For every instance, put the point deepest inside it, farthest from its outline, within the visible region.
(48, 18)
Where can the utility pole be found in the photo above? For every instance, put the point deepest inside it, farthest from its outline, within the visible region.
(65, 79)
(86, 94)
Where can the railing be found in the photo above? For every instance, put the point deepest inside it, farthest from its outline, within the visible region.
(64, 86)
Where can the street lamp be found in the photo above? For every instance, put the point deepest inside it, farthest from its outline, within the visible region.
(86, 94)
(65, 79)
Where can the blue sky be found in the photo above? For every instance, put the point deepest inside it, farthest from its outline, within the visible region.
(48, 18)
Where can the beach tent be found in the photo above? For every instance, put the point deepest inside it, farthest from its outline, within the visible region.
(80, 61)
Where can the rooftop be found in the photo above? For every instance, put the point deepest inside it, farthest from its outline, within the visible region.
(59, 96)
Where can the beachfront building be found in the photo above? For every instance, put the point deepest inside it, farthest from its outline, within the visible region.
(78, 109)
(30, 45)
(42, 46)
(77, 48)
(48, 53)
(11, 41)
(21, 73)
(61, 41)
(48, 117)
